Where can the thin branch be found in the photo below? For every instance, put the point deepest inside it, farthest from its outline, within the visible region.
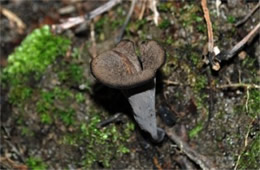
(152, 6)
(174, 83)
(226, 55)
(14, 18)
(93, 39)
(143, 7)
(238, 85)
(201, 160)
(209, 25)
(111, 119)
(121, 33)
(248, 15)
(245, 145)
(240, 44)
(73, 21)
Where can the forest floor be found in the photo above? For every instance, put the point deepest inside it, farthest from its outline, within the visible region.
(52, 107)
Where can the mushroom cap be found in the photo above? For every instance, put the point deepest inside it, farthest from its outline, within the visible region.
(121, 68)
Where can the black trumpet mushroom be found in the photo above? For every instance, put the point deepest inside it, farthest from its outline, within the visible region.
(134, 75)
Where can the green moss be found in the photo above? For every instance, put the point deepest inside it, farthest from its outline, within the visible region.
(190, 14)
(71, 74)
(195, 131)
(195, 59)
(254, 103)
(201, 83)
(135, 26)
(47, 109)
(29, 60)
(38, 50)
(36, 163)
(67, 116)
(102, 144)
(165, 24)
(165, 7)
(251, 156)
(26, 131)
(79, 97)
(169, 40)
(19, 94)
(231, 19)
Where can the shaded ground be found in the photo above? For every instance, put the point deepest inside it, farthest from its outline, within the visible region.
(50, 114)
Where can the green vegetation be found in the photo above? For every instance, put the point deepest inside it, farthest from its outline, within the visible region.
(28, 62)
(165, 7)
(38, 50)
(49, 111)
(102, 145)
(254, 103)
(36, 163)
(250, 157)
(195, 131)
(251, 154)
(164, 24)
(231, 19)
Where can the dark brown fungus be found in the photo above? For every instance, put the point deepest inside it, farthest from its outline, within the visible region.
(121, 68)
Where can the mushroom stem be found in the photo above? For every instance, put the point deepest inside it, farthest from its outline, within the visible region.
(142, 101)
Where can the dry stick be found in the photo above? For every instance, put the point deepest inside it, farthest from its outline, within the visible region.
(245, 145)
(93, 39)
(226, 55)
(14, 18)
(211, 97)
(121, 33)
(73, 21)
(209, 25)
(201, 160)
(248, 15)
(111, 119)
(237, 85)
(142, 9)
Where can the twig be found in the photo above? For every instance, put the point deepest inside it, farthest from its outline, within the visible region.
(5, 161)
(121, 33)
(209, 25)
(248, 15)
(73, 21)
(218, 3)
(157, 164)
(238, 85)
(143, 7)
(245, 145)
(199, 159)
(211, 50)
(14, 18)
(114, 118)
(169, 82)
(93, 39)
(152, 6)
(211, 97)
(247, 98)
(226, 55)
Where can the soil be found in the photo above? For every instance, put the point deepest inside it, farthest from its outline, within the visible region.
(220, 123)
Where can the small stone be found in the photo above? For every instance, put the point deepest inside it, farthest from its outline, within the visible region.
(242, 55)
